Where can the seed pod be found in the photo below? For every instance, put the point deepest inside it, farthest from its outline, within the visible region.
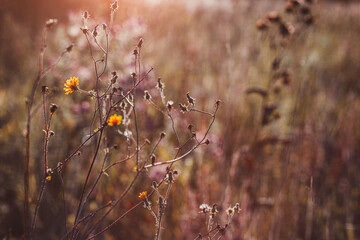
(53, 108)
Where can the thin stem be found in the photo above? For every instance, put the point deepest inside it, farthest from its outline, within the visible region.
(123, 194)
(43, 184)
(192, 149)
(86, 181)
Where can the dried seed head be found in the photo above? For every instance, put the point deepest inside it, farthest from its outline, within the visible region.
(85, 15)
(139, 45)
(69, 48)
(229, 212)
(273, 17)
(213, 210)
(309, 19)
(190, 99)
(53, 108)
(133, 75)
(170, 177)
(114, 6)
(295, 2)
(113, 79)
(104, 26)
(52, 133)
(190, 127)
(153, 159)
(169, 105)
(147, 95)
(50, 23)
(183, 108)
(304, 10)
(162, 135)
(44, 89)
(123, 105)
(207, 141)
(286, 29)
(237, 208)
(289, 7)
(217, 102)
(161, 201)
(160, 85)
(136, 52)
(205, 208)
(131, 97)
(85, 30)
(154, 184)
(276, 63)
(262, 24)
(95, 32)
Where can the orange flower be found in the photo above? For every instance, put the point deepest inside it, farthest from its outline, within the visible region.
(143, 195)
(114, 120)
(71, 85)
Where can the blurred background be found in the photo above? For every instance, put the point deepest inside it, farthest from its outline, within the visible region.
(285, 144)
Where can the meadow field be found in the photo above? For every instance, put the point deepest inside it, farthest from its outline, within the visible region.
(169, 119)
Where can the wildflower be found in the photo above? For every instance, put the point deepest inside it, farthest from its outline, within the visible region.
(48, 178)
(114, 6)
(143, 195)
(71, 85)
(114, 120)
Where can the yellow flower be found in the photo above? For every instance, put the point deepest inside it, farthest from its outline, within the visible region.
(71, 85)
(114, 120)
(143, 195)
